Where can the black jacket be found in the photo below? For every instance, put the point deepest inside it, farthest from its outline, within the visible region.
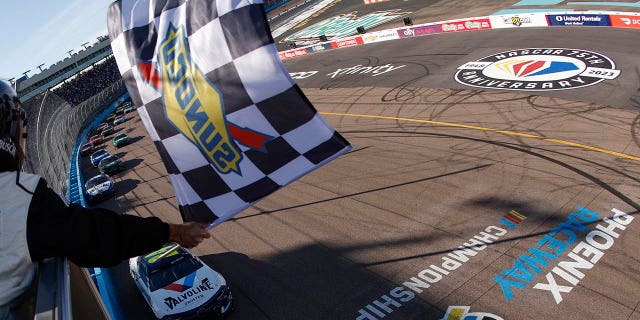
(88, 237)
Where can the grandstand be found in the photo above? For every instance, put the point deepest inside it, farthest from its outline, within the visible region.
(89, 82)
(63, 70)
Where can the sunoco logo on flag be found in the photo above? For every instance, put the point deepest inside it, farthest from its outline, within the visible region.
(186, 92)
(229, 122)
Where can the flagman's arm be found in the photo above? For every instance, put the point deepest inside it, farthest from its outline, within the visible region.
(98, 237)
(188, 234)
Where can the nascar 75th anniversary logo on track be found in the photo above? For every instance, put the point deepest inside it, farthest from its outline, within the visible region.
(538, 69)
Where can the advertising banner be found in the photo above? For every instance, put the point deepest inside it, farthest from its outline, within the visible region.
(624, 21)
(519, 20)
(600, 20)
(419, 30)
(292, 53)
(319, 47)
(347, 42)
(466, 25)
(379, 36)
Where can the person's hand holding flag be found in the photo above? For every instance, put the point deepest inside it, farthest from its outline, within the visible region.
(189, 234)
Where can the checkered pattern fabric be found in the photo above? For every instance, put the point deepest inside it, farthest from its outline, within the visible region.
(229, 42)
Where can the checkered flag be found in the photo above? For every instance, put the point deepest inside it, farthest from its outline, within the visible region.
(229, 122)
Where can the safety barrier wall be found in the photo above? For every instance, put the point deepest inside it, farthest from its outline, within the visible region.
(269, 9)
(76, 178)
(522, 20)
(272, 5)
(101, 277)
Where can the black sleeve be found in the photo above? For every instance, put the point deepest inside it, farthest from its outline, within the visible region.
(89, 237)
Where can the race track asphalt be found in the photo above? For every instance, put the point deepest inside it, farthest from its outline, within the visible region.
(435, 166)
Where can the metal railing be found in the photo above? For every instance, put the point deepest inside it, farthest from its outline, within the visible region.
(52, 300)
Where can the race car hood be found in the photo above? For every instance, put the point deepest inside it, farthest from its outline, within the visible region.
(112, 164)
(99, 188)
(186, 294)
(98, 158)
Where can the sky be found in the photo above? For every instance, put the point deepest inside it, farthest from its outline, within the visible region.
(43, 31)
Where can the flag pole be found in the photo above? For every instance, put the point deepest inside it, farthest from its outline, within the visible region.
(175, 247)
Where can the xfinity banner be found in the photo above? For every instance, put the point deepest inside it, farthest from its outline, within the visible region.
(579, 20)
(419, 30)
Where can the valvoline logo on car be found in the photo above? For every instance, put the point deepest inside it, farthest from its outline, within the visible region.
(180, 287)
(538, 69)
(194, 105)
(190, 294)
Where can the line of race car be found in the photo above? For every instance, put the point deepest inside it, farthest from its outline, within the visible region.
(102, 187)
(174, 282)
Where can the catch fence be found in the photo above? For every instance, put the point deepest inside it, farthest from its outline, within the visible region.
(53, 129)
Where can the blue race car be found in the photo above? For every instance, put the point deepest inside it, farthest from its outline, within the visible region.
(99, 188)
(119, 119)
(98, 155)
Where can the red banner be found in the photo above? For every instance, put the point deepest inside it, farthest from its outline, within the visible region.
(347, 42)
(621, 21)
(292, 53)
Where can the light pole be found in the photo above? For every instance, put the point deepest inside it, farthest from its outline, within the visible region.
(40, 67)
(75, 62)
(85, 45)
(25, 73)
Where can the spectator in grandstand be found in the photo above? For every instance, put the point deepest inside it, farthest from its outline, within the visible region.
(89, 83)
(37, 223)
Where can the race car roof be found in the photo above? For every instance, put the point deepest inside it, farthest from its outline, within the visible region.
(152, 261)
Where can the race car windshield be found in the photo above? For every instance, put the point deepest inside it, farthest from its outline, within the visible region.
(108, 160)
(173, 272)
(96, 181)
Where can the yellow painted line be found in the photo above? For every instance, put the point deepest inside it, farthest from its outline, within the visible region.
(517, 214)
(506, 132)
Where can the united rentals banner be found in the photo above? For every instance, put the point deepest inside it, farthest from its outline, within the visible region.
(227, 119)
